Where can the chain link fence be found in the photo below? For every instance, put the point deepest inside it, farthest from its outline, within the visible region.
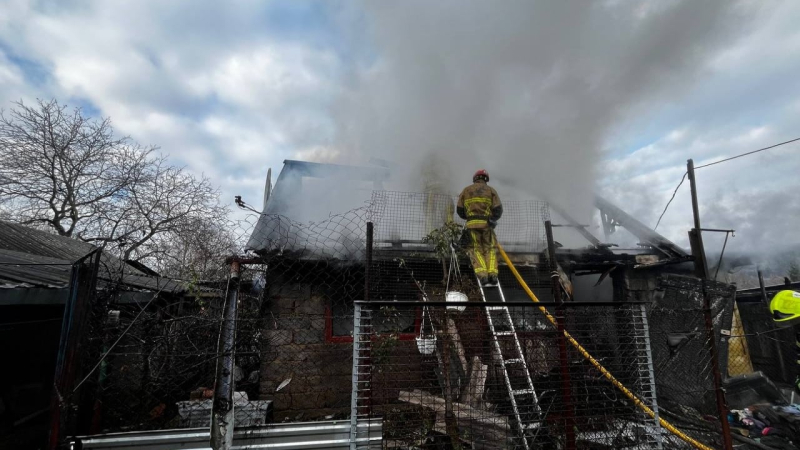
(149, 359)
(682, 353)
(762, 376)
(759, 345)
(486, 376)
(437, 376)
(405, 219)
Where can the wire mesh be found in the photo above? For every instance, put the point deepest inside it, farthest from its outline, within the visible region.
(155, 360)
(150, 351)
(404, 219)
(340, 236)
(763, 375)
(762, 346)
(454, 384)
(682, 351)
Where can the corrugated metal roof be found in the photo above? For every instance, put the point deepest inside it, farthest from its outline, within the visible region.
(19, 269)
(35, 242)
(30, 257)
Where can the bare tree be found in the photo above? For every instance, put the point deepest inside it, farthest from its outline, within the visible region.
(162, 202)
(69, 173)
(199, 254)
(60, 168)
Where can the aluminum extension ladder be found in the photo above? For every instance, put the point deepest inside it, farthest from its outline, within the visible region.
(501, 327)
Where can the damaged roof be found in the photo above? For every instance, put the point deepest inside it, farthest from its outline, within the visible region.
(35, 258)
(313, 209)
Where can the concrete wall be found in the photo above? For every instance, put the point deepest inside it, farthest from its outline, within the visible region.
(295, 348)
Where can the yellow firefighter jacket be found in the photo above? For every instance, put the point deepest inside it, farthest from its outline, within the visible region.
(479, 203)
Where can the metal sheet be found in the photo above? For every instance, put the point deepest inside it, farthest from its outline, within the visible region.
(302, 435)
(35, 258)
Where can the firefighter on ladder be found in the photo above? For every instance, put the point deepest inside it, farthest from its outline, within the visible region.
(480, 206)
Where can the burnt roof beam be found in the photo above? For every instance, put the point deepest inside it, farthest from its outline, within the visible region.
(578, 227)
(638, 229)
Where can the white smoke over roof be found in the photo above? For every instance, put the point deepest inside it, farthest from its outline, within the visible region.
(527, 90)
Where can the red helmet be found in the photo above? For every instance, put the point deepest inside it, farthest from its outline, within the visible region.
(481, 173)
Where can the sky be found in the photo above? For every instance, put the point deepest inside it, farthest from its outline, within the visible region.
(555, 99)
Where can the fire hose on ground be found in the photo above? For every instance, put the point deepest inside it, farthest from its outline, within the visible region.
(636, 400)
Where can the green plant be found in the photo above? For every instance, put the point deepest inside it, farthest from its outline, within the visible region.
(383, 349)
(443, 238)
(444, 241)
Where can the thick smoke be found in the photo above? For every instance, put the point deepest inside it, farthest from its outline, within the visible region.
(527, 90)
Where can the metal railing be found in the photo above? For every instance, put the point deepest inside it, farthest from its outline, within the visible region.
(448, 384)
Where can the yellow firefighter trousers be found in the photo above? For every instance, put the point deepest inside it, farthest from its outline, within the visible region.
(483, 252)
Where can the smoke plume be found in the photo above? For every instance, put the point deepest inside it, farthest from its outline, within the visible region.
(527, 90)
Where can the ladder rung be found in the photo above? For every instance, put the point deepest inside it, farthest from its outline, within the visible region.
(505, 333)
(496, 308)
(523, 392)
(514, 361)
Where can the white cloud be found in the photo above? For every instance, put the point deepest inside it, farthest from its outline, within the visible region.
(747, 99)
(740, 194)
(266, 78)
(10, 75)
(210, 84)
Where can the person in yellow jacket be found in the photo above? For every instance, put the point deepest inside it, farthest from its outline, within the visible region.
(785, 309)
(480, 206)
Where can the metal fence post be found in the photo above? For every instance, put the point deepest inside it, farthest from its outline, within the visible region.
(356, 370)
(361, 378)
(368, 261)
(360, 390)
(222, 416)
(651, 375)
(82, 286)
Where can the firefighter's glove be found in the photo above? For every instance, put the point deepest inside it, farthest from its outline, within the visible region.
(492, 223)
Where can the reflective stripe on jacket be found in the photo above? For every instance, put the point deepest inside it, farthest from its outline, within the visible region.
(478, 203)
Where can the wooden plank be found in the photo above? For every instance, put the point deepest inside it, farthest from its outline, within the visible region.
(452, 330)
(460, 410)
(473, 394)
(480, 440)
(450, 358)
(482, 429)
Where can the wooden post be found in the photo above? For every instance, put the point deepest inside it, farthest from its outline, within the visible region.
(451, 423)
(566, 381)
(701, 268)
(696, 236)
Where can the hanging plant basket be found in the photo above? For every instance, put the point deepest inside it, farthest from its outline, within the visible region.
(456, 298)
(426, 344)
